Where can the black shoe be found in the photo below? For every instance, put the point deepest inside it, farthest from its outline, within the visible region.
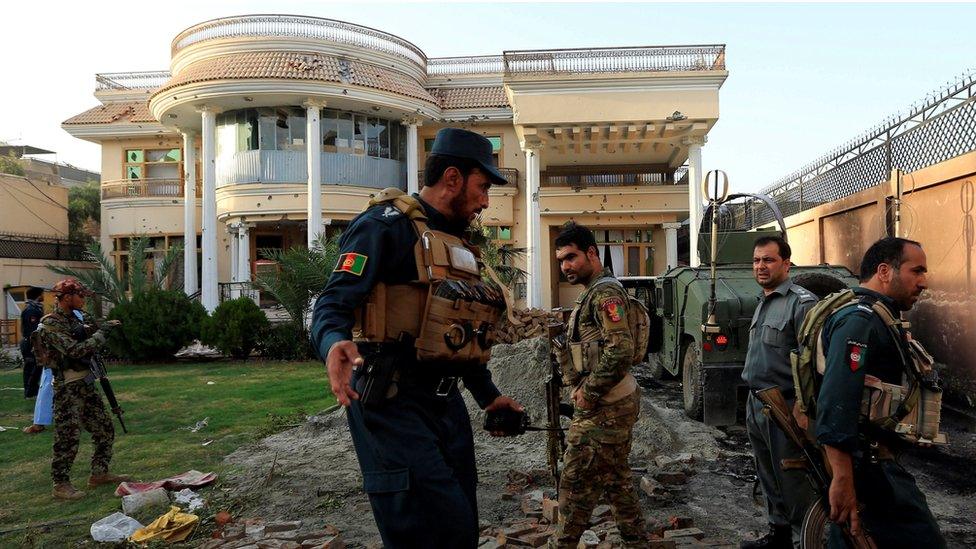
(778, 537)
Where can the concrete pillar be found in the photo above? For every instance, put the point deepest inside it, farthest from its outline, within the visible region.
(671, 243)
(695, 209)
(232, 231)
(243, 252)
(190, 284)
(533, 237)
(413, 183)
(209, 293)
(313, 154)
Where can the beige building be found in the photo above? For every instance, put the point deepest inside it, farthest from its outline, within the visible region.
(269, 130)
(33, 235)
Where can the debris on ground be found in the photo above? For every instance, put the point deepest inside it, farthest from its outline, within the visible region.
(189, 479)
(115, 527)
(196, 427)
(695, 482)
(189, 499)
(146, 505)
(173, 526)
(255, 532)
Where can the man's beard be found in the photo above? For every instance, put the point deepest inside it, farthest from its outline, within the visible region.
(457, 205)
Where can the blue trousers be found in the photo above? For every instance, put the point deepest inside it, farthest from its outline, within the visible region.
(44, 405)
(416, 454)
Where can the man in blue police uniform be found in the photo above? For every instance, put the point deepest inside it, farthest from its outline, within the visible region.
(413, 435)
(772, 336)
(857, 343)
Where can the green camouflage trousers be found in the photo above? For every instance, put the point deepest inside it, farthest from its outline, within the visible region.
(596, 464)
(77, 405)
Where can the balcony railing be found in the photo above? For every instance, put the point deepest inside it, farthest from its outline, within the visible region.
(612, 60)
(480, 64)
(145, 188)
(149, 80)
(330, 30)
(511, 175)
(610, 176)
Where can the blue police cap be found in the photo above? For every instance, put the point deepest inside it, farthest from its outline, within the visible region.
(470, 145)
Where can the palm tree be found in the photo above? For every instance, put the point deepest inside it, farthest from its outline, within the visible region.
(301, 275)
(106, 282)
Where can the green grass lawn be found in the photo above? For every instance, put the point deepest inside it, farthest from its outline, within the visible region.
(244, 402)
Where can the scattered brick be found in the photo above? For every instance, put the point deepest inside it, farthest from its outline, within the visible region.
(661, 544)
(684, 533)
(282, 526)
(680, 522)
(671, 478)
(550, 510)
(589, 540)
(600, 514)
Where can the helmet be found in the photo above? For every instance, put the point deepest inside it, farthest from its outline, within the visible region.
(70, 286)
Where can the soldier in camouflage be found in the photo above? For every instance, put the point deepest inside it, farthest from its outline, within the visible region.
(605, 395)
(66, 345)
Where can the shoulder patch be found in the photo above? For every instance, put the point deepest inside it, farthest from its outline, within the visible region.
(856, 353)
(387, 213)
(613, 307)
(351, 263)
(390, 211)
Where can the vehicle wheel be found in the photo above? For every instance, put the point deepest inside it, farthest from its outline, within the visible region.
(821, 284)
(692, 386)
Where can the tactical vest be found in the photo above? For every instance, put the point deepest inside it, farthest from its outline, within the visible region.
(912, 410)
(585, 345)
(448, 312)
(66, 369)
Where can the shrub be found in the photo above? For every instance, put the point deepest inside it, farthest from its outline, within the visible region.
(155, 324)
(235, 327)
(281, 342)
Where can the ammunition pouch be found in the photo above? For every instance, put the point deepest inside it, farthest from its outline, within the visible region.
(881, 402)
(584, 355)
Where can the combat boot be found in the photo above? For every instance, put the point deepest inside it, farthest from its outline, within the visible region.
(64, 490)
(778, 537)
(107, 478)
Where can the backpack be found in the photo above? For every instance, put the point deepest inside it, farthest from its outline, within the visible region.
(637, 318)
(40, 350)
(808, 361)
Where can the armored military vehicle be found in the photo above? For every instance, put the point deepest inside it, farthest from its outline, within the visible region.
(709, 359)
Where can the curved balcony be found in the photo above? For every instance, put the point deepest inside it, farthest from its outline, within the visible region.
(294, 26)
(145, 188)
(274, 167)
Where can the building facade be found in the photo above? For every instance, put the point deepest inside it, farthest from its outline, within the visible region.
(270, 130)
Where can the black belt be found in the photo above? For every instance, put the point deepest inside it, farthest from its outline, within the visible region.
(442, 387)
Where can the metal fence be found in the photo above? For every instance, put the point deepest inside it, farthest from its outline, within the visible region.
(25, 246)
(941, 127)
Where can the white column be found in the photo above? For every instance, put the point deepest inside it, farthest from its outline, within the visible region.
(695, 209)
(313, 154)
(209, 295)
(413, 184)
(190, 285)
(533, 259)
(243, 252)
(671, 243)
(232, 231)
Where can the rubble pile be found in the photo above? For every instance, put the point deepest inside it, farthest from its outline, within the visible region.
(257, 534)
(535, 323)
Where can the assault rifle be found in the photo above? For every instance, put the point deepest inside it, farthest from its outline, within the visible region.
(814, 523)
(556, 441)
(99, 371)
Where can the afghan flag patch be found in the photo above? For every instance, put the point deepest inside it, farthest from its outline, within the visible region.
(351, 263)
(855, 354)
(612, 307)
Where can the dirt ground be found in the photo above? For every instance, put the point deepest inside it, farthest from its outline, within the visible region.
(310, 473)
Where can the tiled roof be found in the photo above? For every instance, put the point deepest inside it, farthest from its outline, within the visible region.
(471, 98)
(133, 111)
(286, 65)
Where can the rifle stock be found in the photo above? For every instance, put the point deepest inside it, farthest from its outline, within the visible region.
(556, 441)
(777, 409)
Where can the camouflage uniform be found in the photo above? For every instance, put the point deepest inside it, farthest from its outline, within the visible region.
(596, 458)
(69, 344)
